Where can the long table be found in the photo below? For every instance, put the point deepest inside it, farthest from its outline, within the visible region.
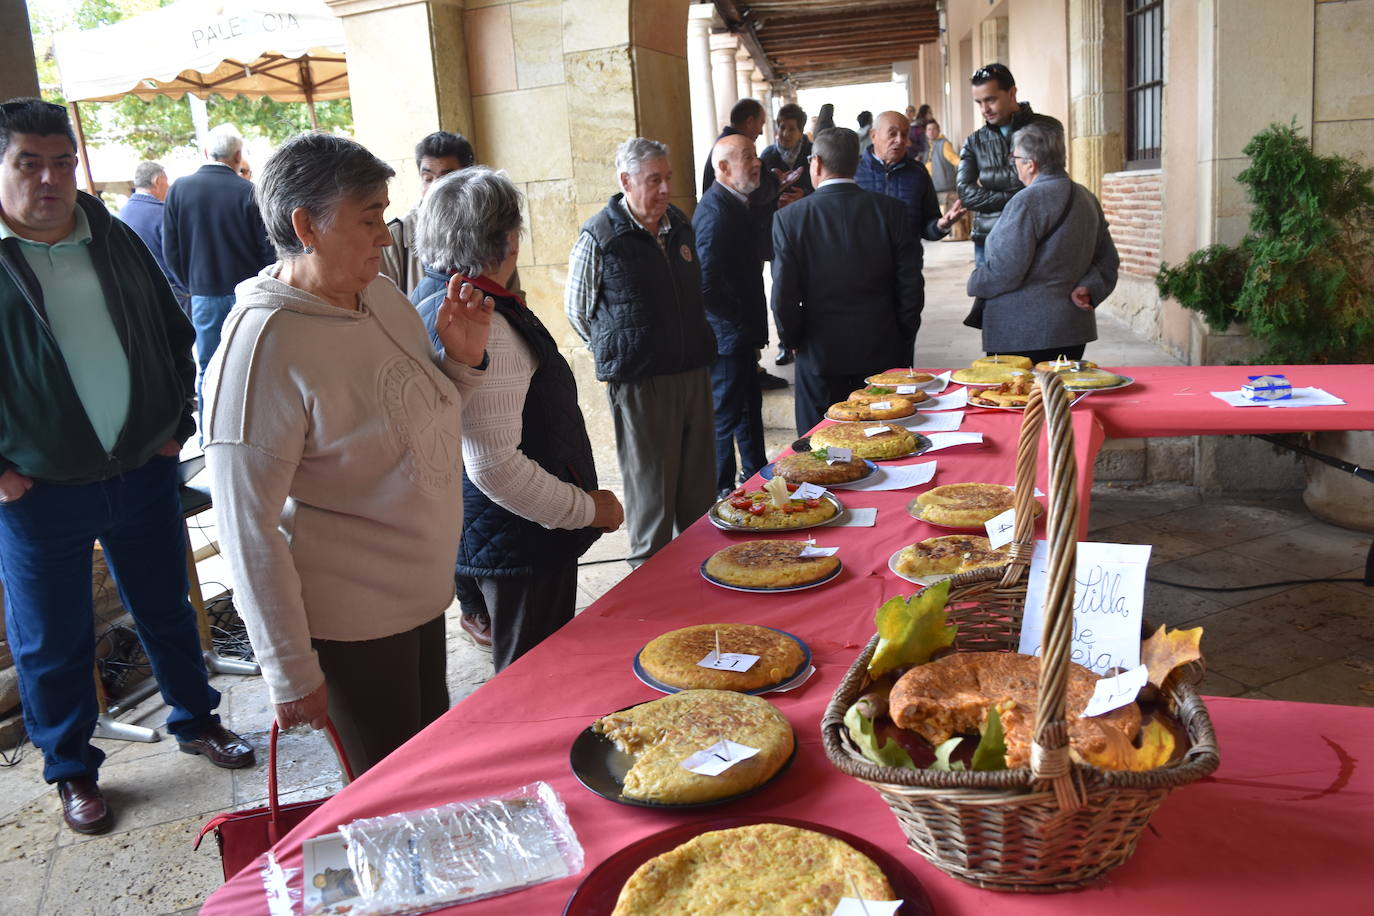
(1284, 824)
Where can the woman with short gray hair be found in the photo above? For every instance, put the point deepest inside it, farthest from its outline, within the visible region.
(1050, 258)
(332, 431)
(530, 488)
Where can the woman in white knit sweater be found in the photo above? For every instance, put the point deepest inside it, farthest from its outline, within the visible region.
(530, 500)
(333, 434)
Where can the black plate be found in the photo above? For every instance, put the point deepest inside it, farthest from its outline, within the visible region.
(600, 766)
(655, 683)
(597, 894)
(766, 472)
(922, 446)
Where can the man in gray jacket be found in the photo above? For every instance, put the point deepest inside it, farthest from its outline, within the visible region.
(1050, 258)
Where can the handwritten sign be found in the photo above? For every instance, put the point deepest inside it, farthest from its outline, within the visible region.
(1117, 691)
(728, 661)
(1108, 602)
(1001, 528)
(836, 455)
(811, 550)
(718, 758)
(808, 491)
(855, 906)
(872, 431)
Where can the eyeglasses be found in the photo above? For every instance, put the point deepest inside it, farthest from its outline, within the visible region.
(990, 72)
(17, 105)
(1013, 158)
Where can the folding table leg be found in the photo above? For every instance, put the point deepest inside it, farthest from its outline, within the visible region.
(106, 726)
(214, 662)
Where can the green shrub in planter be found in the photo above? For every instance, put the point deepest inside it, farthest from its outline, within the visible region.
(1302, 279)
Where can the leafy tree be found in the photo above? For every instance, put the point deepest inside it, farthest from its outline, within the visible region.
(1302, 278)
(157, 125)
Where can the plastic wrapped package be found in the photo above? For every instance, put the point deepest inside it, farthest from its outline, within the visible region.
(420, 860)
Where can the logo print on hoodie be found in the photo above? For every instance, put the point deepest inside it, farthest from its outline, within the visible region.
(417, 413)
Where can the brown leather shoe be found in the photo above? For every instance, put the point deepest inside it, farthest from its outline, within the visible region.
(222, 747)
(83, 805)
(478, 629)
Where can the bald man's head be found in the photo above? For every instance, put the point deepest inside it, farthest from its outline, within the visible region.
(890, 140)
(736, 163)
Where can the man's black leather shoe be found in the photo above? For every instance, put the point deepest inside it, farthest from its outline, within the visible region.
(783, 358)
(221, 746)
(771, 382)
(83, 805)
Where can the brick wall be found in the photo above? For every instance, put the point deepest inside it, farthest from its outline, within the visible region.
(1135, 213)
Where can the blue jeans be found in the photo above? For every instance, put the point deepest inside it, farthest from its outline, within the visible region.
(207, 316)
(739, 417)
(45, 563)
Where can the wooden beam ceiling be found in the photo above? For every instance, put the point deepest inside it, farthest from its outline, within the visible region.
(831, 42)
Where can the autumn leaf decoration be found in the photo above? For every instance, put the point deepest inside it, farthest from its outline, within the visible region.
(1156, 747)
(910, 630)
(1165, 651)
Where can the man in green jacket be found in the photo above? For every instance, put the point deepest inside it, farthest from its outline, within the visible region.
(96, 397)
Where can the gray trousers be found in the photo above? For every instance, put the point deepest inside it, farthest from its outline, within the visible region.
(525, 610)
(665, 438)
(383, 692)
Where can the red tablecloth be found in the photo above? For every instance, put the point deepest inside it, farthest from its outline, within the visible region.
(1285, 823)
(1177, 401)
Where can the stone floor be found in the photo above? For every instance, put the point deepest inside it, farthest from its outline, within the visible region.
(1304, 642)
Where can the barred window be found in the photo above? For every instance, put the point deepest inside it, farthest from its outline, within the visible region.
(1144, 82)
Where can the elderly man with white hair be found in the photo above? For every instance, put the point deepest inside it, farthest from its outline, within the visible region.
(634, 295)
(530, 503)
(213, 238)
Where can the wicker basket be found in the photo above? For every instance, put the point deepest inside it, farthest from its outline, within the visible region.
(1056, 825)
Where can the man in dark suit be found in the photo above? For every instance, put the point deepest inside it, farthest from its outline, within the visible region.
(213, 238)
(143, 214)
(732, 291)
(847, 288)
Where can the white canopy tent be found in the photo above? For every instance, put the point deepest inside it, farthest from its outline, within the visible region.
(287, 50)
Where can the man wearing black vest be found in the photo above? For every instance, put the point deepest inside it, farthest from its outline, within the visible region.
(634, 295)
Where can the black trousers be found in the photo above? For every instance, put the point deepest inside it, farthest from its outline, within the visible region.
(815, 393)
(1040, 356)
(526, 610)
(383, 692)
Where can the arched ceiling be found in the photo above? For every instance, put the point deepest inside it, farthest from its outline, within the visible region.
(813, 43)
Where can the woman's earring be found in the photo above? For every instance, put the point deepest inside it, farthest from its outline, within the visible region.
(309, 249)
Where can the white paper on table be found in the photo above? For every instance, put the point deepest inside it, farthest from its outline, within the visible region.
(856, 518)
(853, 906)
(932, 422)
(1115, 692)
(718, 758)
(893, 477)
(728, 661)
(1001, 529)
(1108, 603)
(811, 550)
(1302, 397)
(949, 440)
(952, 401)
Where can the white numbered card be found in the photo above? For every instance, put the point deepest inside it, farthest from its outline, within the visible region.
(872, 431)
(881, 405)
(728, 661)
(836, 455)
(808, 491)
(1108, 603)
(718, 758)
(853, 906)
(811, 550)
(1116, 691)
(1001, 528)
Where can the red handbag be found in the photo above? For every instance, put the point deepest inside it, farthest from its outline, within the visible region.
(244, 835)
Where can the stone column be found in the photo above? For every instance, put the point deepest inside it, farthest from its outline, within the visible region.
(744, 68)
(759, 89)
(704, 127)
(400, 97)
(1096, 65)
(992, 40)
(18, 76)
(723, 79)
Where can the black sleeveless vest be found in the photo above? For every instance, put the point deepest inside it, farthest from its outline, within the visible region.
(650, 317)
(495, 541)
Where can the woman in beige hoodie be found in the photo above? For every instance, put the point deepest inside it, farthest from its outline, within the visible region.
(333, 435)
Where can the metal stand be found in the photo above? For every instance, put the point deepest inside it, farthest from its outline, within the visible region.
(107, 727)
(194, 502)
(1365, 474)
